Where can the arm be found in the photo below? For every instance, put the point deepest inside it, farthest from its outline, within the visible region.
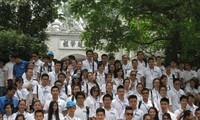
(28, 103)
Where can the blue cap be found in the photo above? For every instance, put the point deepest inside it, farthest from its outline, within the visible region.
(84, 69)
(75, 75)
(70, 104)
(50, 53)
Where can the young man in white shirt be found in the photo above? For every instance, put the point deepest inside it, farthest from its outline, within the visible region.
(150, 73)
(37, 63)
(55, 97)
(164, 103)
(159, 64)
(111, 113)
(137, 113)
(53, 76)
(128, 113)
(81, 111)
(197, 114)
(146, 103)
(175, 93)
(190, 105)
(71, 108)
(100, 114)
(89, 63)
(180, 111)
(189, 74)
(120, 102)
(141, 62)
(39, 115)
(126, 66)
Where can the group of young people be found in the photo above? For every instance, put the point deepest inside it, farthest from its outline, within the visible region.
(98, 89)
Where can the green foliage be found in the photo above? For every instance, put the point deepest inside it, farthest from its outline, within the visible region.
(142, 24)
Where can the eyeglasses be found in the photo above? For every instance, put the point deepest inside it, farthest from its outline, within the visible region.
(145, 93)
(129, 114)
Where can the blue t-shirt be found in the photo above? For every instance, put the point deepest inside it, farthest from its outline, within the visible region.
(20, 68)
(3, 101)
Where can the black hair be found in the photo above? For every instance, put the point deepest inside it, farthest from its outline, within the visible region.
(150, 59)
(176, 79)
(104, 55)
(99, 65)
(156, 117)
(120, 87)
(128, 108)
(139, 52)
(20, 115)
(50, 111)
(132, 97)
(35, 52)
(145, 89)
(93, 88)
(57, 81)
(61, 74)
(72, 57)
(107, 96)
(89, 51)
(117, 70)
(111, 57)
(39, 111)
(183, 97)
(100, 110)
(186, 114)
(11, 105)
(45, 75)
(80, 94)
(139, 84)
(162, 86)
(10, 87)
(198, 109)
(20, 102)
(46, 57)
(145, 115)
(109, 68)
(126, 80)
(190, 95)
(55, 87)
(74, 87)
(168, 115)
(164, 100)
(134, 60)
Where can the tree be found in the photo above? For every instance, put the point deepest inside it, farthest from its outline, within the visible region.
(130, 24)
(27, 18)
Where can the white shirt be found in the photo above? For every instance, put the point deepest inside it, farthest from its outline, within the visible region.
(175, 97)
(160, 115)
(145, 106)
(188, 75)
(27, 115)
(111, 114)
(53, 116)
(81, 113)
(101, 98)
(126, 68)
(21, 94)
(53, 77)
(190, 90)
(177, 112)
(11, 117)
(67, 117)
(103, 89)
(150, 74)
(100, 78)
(191, 108)
(43, 93)
(88, 86)
(119, 105)
(118, 82)
(92, 104)
(37, 64)
(9, 67)
(137, 115)
(170, 79)
(89, 65)
(142, 65)
(61, 105)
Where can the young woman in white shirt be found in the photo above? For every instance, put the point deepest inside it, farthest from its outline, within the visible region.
(119, 77)
(9, 114)
(22, 110)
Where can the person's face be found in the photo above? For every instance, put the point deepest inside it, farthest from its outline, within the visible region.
(100, 116)
(125, 58)
(90, 77)
(166, 117)
(152, 112)
(164, 106)
(45, 80)
(197, 113)
(22, 105)
(177, 85)
(120, 92)
(112, 61)
(1, 117)
(57, 66)
(192, 84)
(132, 75)
(55, 107)
(39, 116)
(80, 99)
(119, 73)
(35, 57)
(163, 91)
(80, 64)
(19, 83)
(104, 59)
(61, 78)
(135, 64)
(89, 55)
(95, 92)
(46, 60)
(107, 101)
(76, 89)
(37, 106)
(173, 64)
(95, 55)
(147, 118)
(71, 110)
(181, 66)
(188, 67)
(190, 100)
(112, 68)
(168, 69)
(145, 94)
(164, 80)
(109, 87)
(159, 61)
(20, 118)
(55, 92)
(190, 117)
(129, 114)
(59, 85)
(101, 68)
(140, 56)
(64, 66)
(126, 84)
(76, 79)
(184, 102)
(133, 102)
(151, 63)
(31, 65)
(109, 78)
(11, 92)
(74, 64)
(8, 110)
(139, 88)
(156, 84)
(29, 73)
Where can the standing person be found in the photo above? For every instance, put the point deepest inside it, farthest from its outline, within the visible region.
(8, 74)
(159, 64)
(189, 74)
(39, 115)
(120, 102)
(71, 107)
(42, 91)
(138, 93)
(153, 112)
(190, 105)
(36, 106)
(128, 113)
(170, 76)
(19, 67)
(100, 75)
(45, 68)
(111, 70)
(104, 61)
(137, 113)
(147, 117)
(55, 91)
(9, 112)
(2, 79)
(111, 113)
(155, 90)
(22, 110)
(127, 89)
(51, 62)
(175, 93)
(141, 61)
(53, 76)
(100, 114)
(126, 66)
(90, 83)
(197, 114)
(53, 113)
(37, 63)
(82, 111)
(89, 63)
(20, 117)
(151, 73)
(119, 77)
(8, 98)
(93, 101)
(188, 115)
(166, 116)
(146, 103)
